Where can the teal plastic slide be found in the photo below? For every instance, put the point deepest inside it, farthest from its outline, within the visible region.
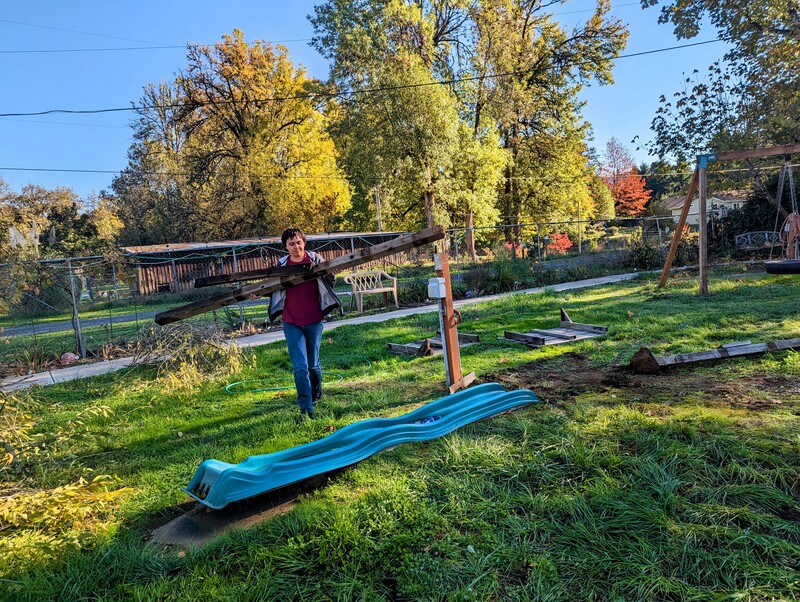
(217, 484)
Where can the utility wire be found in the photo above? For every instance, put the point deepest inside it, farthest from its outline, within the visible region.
(685, 174)
(172, 46)
(330, 94)
(132, 48)
(84, 33)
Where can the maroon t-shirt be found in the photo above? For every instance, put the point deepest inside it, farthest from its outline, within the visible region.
(302, 305)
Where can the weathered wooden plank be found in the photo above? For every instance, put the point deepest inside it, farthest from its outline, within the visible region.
(421, 348)
(788, 149)
(343, 262)
(726, 352)
(584, 327)
(403, 349)
(464, 338)
(552, 333)
(466, 381)
(249, 275)
(523, 338)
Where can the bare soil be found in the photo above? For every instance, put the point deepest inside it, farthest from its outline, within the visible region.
(574, 377)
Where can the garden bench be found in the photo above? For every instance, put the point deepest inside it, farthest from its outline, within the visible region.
(371, 281)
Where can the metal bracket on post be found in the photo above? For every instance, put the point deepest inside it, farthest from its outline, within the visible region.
(449, 319)
(704, 160)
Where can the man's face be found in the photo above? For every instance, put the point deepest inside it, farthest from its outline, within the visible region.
(296, 247)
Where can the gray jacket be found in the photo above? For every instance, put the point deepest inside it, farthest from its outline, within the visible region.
(328, 299)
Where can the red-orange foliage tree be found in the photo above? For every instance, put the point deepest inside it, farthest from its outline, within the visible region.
(627, 187)
(630, 194)
(559, 243)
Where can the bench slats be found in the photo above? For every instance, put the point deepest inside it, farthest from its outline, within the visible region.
(371, 281)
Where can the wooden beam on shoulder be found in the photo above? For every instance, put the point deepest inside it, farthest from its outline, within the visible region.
(249, 275)
(343, 262)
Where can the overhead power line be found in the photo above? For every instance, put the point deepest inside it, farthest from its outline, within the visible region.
(83, 33)
(332, 94)
(65, 50)
(172, 46)
(685, 174)
(133, 48)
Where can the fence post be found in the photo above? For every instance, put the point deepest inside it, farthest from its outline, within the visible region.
(76, 319)
(236, 269)
(114, 275)
(538, 244)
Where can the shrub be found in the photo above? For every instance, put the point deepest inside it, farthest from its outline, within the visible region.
(559, 243)
(413, 292)
(644, 257)
(687, 252)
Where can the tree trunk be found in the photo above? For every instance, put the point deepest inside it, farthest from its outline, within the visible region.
(429, 197)
(470, 238)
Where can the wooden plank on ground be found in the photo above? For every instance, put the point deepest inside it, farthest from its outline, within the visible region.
(584, 327)
(523, 338)
(463, 338)
(420, 348)
(343, 262)
(431, 346)
(726, 352)
(553, 333)
(644, 362)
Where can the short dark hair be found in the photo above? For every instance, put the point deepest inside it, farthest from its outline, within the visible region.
(291, 233)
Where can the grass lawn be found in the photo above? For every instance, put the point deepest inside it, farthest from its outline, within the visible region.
(682, 486)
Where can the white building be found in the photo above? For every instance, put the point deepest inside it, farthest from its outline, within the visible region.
(720, 203)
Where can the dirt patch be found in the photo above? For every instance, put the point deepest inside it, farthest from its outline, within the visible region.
(573, 376)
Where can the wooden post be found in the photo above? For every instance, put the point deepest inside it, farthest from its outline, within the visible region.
(538, 244)
(441, 263)
(449, 321)
(703, 222)
(270, 285)
(676, 237)
(114, 272)
(236, 269)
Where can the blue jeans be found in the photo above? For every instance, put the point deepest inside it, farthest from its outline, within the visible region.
(304, 343)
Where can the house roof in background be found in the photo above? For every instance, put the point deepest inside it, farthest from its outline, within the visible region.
(731, 196)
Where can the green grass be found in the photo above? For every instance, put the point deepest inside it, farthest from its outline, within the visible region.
(675, 487)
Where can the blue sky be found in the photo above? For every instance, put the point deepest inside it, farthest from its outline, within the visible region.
(38, 76)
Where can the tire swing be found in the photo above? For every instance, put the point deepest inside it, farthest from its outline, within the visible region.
(789, 234)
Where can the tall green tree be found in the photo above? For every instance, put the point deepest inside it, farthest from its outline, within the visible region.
(152, 195)
(399, 127)
(514, 74)
(532, 70)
